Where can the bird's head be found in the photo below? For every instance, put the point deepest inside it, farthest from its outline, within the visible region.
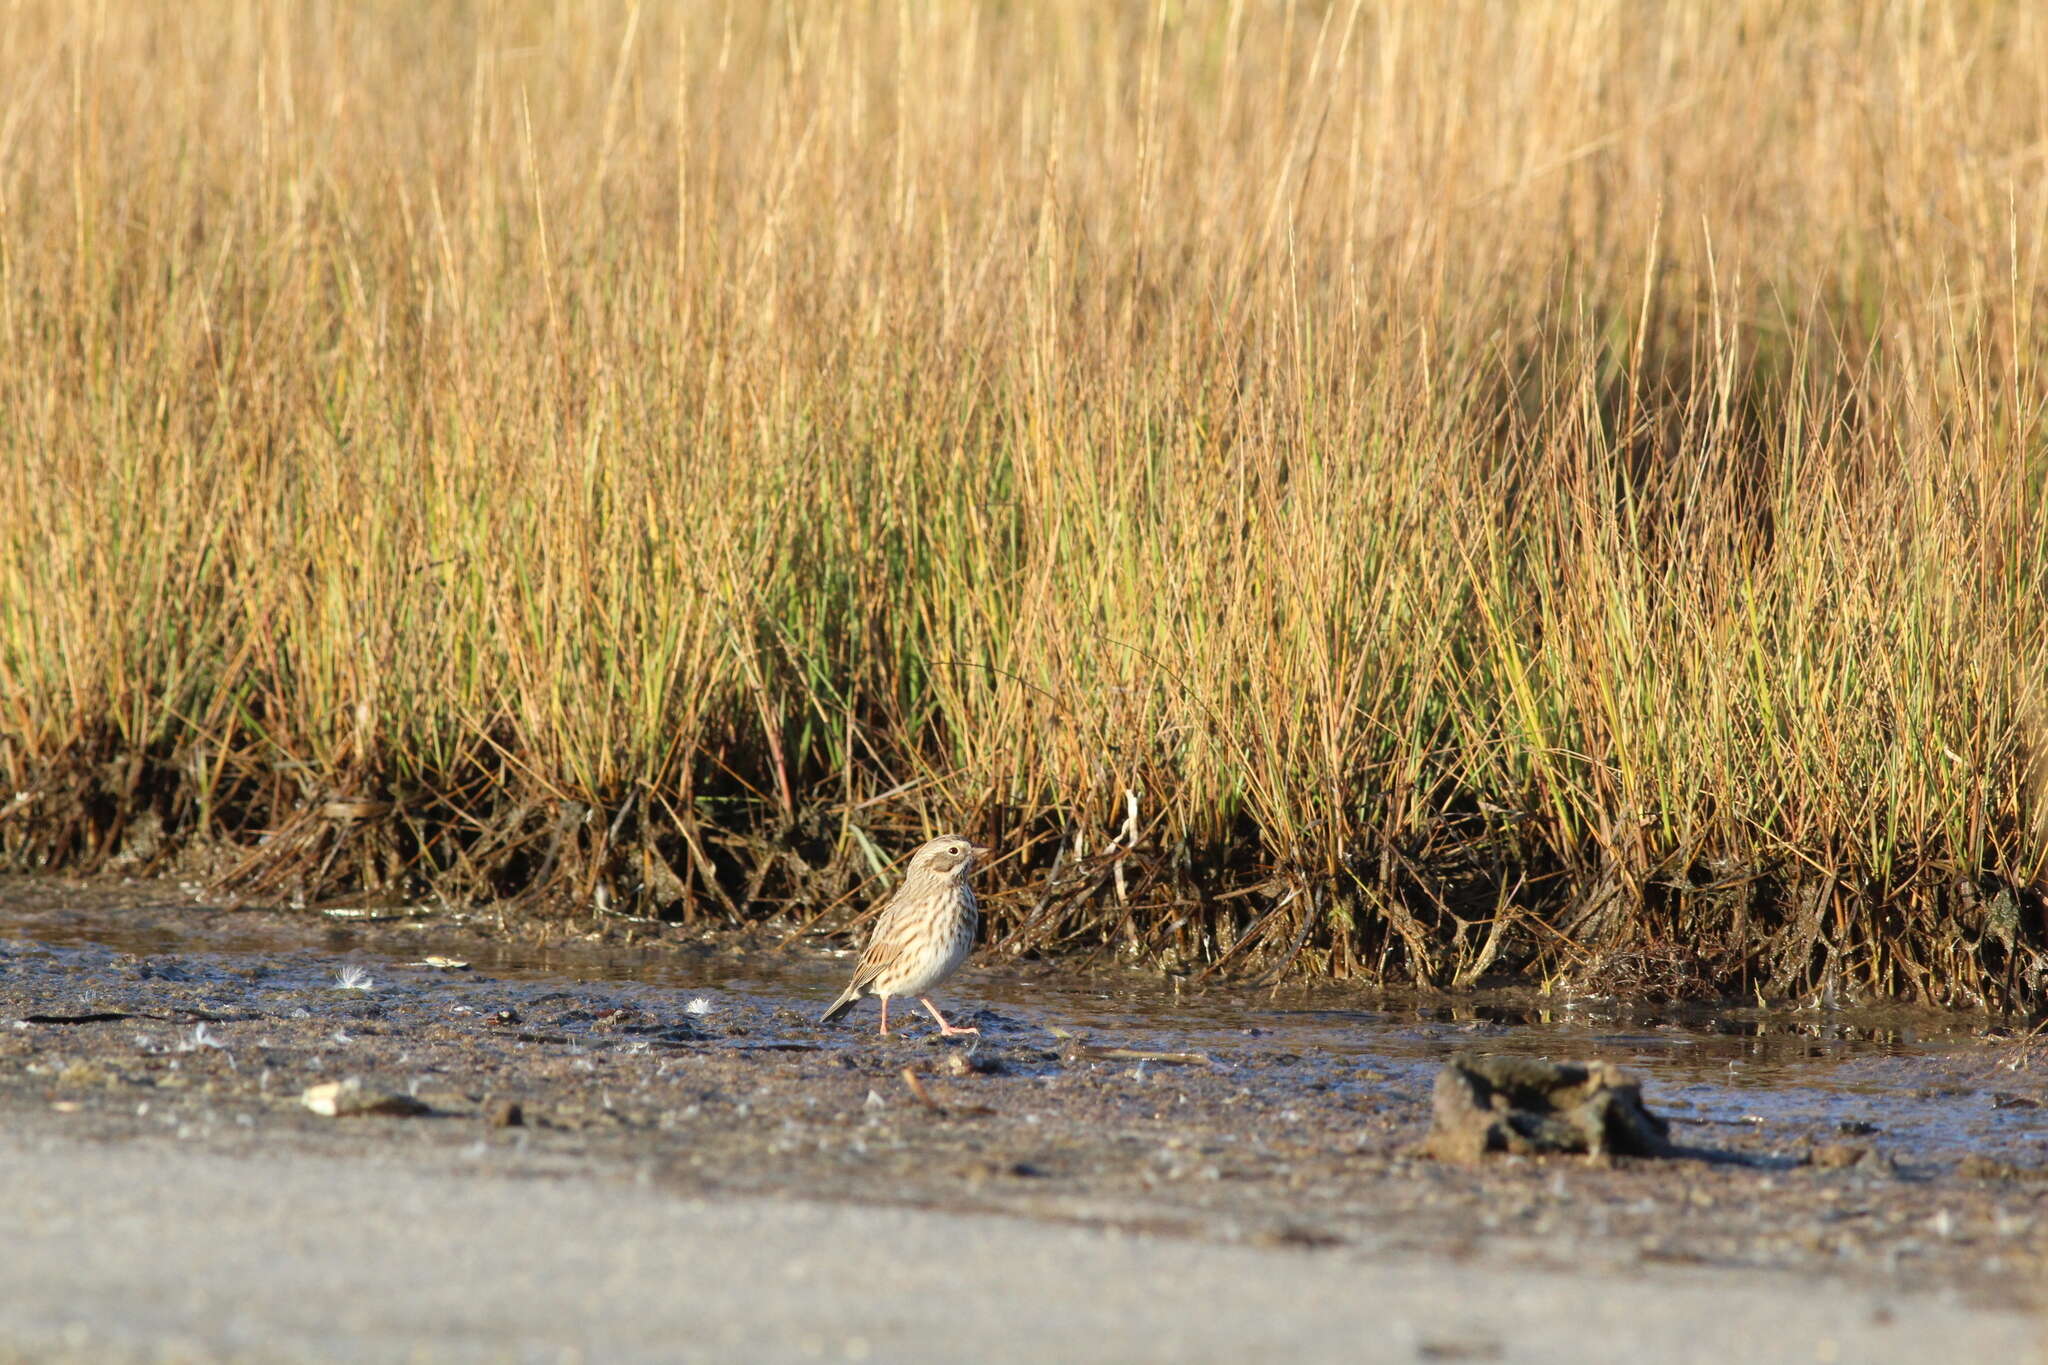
(949, 855)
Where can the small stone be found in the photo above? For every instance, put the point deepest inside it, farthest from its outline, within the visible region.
(351, 1099)
(1838, 1156)
(505, 1114)
(83, 1075)
(965, 1063)
(1296, 1235)
(621, 1019)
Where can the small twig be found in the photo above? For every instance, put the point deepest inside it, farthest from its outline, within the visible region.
(911, 1079)
(1095, 1052)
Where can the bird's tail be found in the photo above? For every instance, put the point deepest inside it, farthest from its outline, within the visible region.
(840, 1006)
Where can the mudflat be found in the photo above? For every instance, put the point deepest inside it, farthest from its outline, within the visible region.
(649, 1168)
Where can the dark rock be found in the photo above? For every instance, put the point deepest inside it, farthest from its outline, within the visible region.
(505, 1114)
(1527, 1106)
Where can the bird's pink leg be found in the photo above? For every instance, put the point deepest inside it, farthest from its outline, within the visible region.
(885, 1016)
(946, 1030)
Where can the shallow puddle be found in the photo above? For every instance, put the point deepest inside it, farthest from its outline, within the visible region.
(1923, 1084)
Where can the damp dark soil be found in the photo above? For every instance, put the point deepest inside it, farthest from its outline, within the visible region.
(1901, 1150)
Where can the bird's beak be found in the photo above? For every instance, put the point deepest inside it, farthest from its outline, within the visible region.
(978, 851)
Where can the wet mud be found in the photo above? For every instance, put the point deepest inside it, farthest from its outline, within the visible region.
(1897, 1149)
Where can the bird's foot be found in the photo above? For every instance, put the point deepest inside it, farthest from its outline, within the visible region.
(946, 1030)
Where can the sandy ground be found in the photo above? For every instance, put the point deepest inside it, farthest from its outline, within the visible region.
(155, 1252)
(708, 1174)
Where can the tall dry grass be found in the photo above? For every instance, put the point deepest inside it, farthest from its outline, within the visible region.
(1384, 488)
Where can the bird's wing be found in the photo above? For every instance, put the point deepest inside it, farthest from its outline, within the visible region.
(880, 948)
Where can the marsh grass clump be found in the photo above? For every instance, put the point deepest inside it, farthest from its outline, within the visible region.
(1358, 489)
